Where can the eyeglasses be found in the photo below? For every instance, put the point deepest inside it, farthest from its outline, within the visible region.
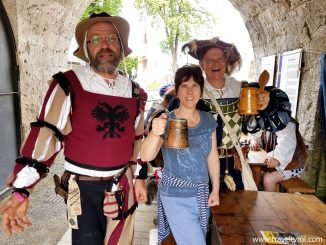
(214, 61)
(97, 39)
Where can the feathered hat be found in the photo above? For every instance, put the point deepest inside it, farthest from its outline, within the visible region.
(198, 48)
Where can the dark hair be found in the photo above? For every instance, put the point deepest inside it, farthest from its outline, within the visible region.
(186, 72)
(168, 97)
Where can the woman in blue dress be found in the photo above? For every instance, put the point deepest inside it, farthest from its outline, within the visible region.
(183, 195)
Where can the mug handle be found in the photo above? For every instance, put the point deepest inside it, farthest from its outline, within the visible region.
(167, 118)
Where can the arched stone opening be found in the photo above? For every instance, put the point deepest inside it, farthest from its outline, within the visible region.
(43, 30)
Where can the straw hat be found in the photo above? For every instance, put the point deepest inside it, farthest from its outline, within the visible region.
(120, 24)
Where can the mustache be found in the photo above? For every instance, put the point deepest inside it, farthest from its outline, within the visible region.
(105, 51)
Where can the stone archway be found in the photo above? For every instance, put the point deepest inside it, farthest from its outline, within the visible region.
(44, 28)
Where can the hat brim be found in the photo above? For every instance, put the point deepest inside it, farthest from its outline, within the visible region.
(203, 50)
(120, 23)
(198, 48)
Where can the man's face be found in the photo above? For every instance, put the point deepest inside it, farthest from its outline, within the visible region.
(103, 47)
(214, 64)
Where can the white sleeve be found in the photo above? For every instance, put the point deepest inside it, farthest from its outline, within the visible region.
(255, 136)
(286, 144)
(46, 144)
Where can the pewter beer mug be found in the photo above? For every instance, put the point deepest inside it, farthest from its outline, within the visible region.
(177, 136)
(248, 101)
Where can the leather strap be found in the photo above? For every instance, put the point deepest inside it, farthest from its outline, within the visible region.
(226, 152)
(91, 178)
(246, 173)
(232, 134)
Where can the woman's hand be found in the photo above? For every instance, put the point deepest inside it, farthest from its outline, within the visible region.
(214, 199)
(272, 162)
(159, 124)
(253, 145)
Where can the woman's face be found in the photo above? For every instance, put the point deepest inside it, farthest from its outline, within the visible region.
(214, 65)
(189, 93)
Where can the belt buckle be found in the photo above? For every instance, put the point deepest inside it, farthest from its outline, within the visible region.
(222, 151)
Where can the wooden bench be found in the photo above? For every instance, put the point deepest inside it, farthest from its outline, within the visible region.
(295, 185)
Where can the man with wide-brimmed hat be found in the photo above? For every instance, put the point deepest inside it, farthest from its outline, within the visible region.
(97, 116)
(218, 60)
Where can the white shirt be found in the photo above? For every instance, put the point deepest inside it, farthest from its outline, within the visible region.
(231, 89)
(286, 144)
(92, 82)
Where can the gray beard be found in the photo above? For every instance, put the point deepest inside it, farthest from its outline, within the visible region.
(104, 67)
(108, 68)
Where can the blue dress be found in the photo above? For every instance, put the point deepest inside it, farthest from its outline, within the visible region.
(183, 190)
(191, 163)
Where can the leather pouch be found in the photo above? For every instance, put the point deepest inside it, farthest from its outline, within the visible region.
(236, 157)
(113, 204)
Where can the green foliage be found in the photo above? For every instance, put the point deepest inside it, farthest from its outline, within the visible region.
(112, 7)
(131, 62)
(179, 19)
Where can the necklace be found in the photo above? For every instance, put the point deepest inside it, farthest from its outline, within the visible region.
(110, 82)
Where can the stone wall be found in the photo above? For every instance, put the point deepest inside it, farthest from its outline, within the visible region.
(43, 30)
(278, 26)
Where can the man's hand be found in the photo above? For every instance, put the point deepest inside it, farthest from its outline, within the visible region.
(141, 191)
(15, 216)
(263, 100)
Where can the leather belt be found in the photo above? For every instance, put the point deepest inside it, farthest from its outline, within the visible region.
(91, 178)
(226, 152)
